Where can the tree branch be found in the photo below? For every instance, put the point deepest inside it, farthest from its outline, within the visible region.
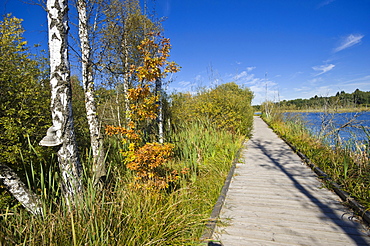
(18, 189)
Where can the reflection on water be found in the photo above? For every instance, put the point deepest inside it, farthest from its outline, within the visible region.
(337, 127)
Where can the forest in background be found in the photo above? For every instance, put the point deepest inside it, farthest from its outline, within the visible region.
(356, 99)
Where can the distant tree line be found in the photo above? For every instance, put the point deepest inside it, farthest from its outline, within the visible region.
(342, 100)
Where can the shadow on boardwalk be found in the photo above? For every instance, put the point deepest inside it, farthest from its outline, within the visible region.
(274, 199)
(351, 231)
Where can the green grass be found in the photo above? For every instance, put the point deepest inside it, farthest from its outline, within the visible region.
(119, 215)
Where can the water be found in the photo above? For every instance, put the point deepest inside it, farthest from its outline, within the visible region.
(337, 127)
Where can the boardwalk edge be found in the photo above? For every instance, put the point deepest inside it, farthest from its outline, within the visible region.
(206, 237)
(352, 203)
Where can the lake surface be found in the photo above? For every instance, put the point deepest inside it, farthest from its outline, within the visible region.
(336, 127)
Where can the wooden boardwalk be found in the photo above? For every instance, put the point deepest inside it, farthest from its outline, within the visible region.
(275, 199)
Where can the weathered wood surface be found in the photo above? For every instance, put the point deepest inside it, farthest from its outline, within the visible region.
(275, 199)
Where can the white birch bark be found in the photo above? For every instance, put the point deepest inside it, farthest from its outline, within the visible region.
(96, 138)
(126, 83)
(118, 109)
(18, 189)
(158, 86)
(61, 99)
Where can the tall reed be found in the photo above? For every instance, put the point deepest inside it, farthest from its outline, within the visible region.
(120, 215)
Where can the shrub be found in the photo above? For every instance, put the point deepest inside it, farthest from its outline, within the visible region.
(228, 106)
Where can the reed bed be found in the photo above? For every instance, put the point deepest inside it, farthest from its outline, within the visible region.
(120, 215)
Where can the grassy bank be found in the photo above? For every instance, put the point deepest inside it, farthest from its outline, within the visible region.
(348, 166)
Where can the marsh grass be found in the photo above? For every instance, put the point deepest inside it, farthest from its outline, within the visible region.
(120, 215)
(348, 165)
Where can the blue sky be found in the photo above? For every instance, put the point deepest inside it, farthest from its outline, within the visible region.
(294, 48)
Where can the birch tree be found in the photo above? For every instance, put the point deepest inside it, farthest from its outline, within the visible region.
(19, 190)
(124, 29)
(61, 133)
(96, 138)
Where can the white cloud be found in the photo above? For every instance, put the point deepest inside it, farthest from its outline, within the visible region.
(250, 69)
(363, 83)
(183, 87)
(318, 87)
(301, 89)
(198, 77)
(326, 2)
(240, 75)
(308, 92)
(263, 89)
(256, 85)
(295, 75)
(349, 41)
(361, 79)
(322, 91)
(315, 80)
(184, 83)
(244, 76)
(323, 68)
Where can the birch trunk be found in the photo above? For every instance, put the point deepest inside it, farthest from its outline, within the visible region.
(96, 138)
(18, 189)
(158, 87)
(61, 100)
(126, 82)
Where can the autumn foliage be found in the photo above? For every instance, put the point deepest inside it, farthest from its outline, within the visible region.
(148, 163)
(155, 64)
(147, 159)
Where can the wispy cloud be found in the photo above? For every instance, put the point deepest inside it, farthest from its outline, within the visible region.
(183, 86)
(250, 68)
(364, 78)
(315, 81)
(240, 75)
(185, 83)
(256, 84)
(303, 88)
(311, 91)
(245, 75)
(261, 94)
(295, 75)
(323, 68)
(349, 41)
(246, 78)
(326, 2)
(361, 82)
(198, 77)
(167, 8)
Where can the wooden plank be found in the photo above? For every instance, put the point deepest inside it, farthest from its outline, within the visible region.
(274, 199)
